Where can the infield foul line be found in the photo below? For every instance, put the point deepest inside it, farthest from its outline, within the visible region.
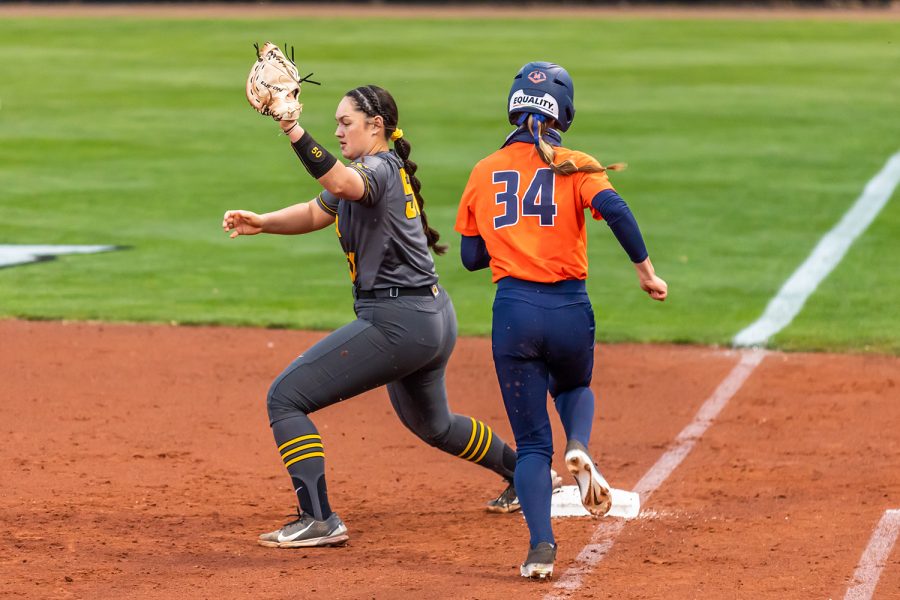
(782, 309)
(605, 534)
(874, 557)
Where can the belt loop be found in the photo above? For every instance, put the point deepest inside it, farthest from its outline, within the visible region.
(393, 292)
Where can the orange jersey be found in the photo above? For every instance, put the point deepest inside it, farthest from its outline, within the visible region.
(532, 220)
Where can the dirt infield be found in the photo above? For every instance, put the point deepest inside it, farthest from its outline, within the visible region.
(137, 463)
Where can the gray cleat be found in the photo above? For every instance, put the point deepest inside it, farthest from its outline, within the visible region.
(305, 531)
(539, 563)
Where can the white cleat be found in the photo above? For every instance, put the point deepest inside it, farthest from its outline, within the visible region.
(595, 491)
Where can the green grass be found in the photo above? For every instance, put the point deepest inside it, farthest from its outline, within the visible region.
(746, 143)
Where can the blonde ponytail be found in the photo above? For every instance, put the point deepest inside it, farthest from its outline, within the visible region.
(567, 167)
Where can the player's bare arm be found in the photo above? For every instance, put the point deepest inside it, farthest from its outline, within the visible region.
(292, 220)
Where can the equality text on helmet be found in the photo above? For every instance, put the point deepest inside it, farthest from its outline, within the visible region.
(520, 101)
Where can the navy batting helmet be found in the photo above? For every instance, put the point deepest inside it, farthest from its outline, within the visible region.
(544, 88)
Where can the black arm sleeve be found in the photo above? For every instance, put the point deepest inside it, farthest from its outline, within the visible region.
(619, 218)
(314, 157)
(473, 252)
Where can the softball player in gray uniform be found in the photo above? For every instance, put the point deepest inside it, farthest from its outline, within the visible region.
(405, 328)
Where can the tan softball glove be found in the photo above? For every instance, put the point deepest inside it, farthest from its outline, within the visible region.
(273, 86)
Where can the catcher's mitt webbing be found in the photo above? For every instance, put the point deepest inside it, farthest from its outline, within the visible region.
(314, 157)
(305, 78)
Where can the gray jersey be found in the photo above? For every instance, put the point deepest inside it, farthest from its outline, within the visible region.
(382, 234)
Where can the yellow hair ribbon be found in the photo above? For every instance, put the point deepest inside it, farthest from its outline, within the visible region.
(398, 133)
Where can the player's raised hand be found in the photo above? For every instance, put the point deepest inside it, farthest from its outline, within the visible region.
(242, 222)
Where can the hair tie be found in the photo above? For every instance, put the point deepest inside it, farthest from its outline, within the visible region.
(536, 121)
(397, 134)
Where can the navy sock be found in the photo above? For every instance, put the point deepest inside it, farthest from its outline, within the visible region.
(534, 489)
(576, 411)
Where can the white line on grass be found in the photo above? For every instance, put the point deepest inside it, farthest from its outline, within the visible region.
(20, 254)
(782, 309)
(605, 534)
(865, 578)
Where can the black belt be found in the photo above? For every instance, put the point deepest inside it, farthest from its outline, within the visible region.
(395, 292)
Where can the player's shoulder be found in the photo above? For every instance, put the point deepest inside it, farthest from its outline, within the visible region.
(489, 161)
(498, 160)
(580, 159)
(377, 162)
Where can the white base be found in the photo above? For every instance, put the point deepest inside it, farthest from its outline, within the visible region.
(566, 502)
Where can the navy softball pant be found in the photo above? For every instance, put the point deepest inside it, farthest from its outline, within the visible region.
(543, 340)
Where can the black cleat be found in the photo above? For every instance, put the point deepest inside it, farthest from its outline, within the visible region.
(508, 500)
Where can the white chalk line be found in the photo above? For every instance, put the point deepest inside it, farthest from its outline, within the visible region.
(19, 254)
(790, 299)
(874, 557)
(605, 533)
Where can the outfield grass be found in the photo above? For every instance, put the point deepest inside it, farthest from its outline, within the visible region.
(746, 142)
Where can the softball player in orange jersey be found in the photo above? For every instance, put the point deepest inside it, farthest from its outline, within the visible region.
(523, 214)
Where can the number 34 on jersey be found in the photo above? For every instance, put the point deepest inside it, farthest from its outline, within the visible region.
(536, 201)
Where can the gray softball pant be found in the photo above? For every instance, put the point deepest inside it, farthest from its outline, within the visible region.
(403, 343)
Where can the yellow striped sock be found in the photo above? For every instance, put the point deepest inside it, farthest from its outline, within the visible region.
(478, 443)
(471, 438)
(487, 445)
(312, 436)
(304, 457)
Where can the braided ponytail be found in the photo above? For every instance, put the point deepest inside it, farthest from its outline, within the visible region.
(375, 101)
(538, 126)
(403, 148)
